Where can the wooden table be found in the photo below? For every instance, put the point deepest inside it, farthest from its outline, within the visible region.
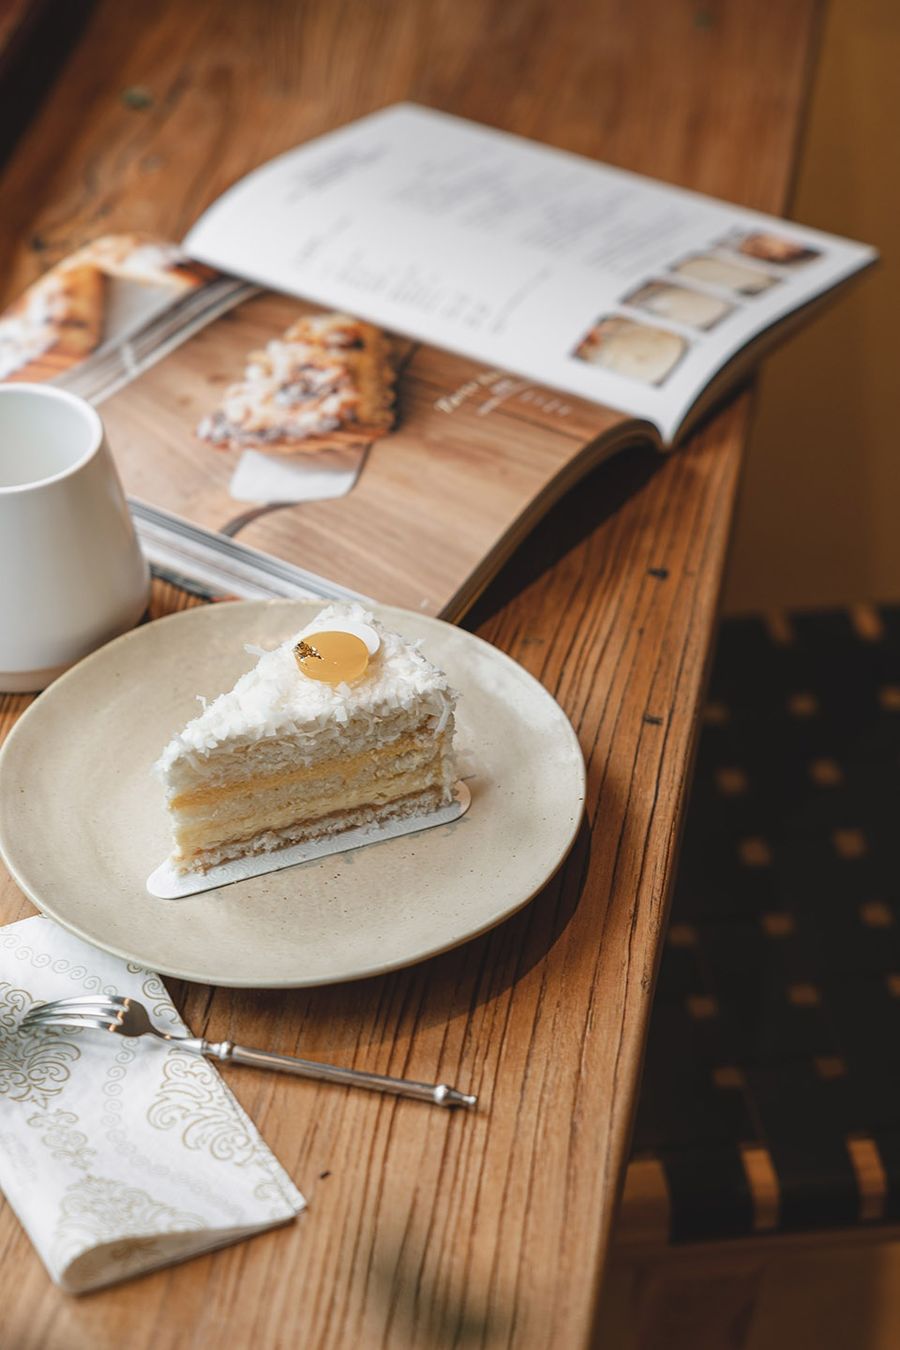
(426, 1228)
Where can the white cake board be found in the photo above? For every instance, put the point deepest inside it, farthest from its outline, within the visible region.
(168, 884)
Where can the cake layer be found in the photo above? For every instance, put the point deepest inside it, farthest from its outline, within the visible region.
(279, 810)
(416, 804)
(238, 817)
(283, 756)
(274, 756)
(210, 791)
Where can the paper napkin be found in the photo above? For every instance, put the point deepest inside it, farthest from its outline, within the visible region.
(119, 1155)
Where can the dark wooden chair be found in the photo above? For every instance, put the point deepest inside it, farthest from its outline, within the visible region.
(771, 1094)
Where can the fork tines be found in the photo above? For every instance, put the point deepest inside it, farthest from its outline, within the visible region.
(81, 1000)
(104, 1011)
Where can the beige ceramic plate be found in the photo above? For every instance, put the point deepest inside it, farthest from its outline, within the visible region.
(82, 823)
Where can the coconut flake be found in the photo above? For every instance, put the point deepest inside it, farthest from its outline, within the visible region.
(271, 700)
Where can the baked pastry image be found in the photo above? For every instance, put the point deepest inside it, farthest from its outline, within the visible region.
(142, 258)
(635, 350)
(775, 248)
(62, 317)
(346, 724)
(681, 304)
(729, 275)
(328, 381)
(55, 324)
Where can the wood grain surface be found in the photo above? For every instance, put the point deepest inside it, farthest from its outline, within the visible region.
(426, 1229)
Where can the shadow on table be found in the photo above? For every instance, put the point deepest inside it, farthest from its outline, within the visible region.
(431, 993)
(336, 1021)
(430, 1313)
(597, 497)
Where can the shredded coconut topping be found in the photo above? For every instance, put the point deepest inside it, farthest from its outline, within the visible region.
(274, 698)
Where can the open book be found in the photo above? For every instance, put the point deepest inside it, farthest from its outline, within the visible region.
(498, 316)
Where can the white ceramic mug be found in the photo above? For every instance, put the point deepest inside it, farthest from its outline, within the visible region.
(72, 575)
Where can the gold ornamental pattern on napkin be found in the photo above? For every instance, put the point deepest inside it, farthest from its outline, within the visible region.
(119, 1155)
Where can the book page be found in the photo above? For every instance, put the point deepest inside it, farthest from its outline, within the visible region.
(598, 282)
(269, 448)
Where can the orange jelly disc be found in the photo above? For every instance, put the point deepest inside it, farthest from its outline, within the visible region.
(334, 658)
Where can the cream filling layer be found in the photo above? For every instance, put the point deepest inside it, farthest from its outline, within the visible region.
(401, 808)
(338, 766)
(280, 808)
(235, 760)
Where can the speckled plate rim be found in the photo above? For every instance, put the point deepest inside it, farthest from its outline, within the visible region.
(29, 725)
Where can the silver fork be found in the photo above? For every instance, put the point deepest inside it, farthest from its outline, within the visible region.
(126, 1017)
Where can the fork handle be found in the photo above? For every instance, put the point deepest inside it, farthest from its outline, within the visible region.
(438, 1094)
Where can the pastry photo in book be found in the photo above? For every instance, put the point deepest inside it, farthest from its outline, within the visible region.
(108, 288)
(327, 381)
(379, 464)
(381, 357)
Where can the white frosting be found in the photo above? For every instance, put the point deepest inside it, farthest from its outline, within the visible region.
(274, 698)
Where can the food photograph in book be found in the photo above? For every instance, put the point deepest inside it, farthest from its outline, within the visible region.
(309, 434)
(97, 296)
(728, 273)
(637, 351)
(769, 247)
(680, 304)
